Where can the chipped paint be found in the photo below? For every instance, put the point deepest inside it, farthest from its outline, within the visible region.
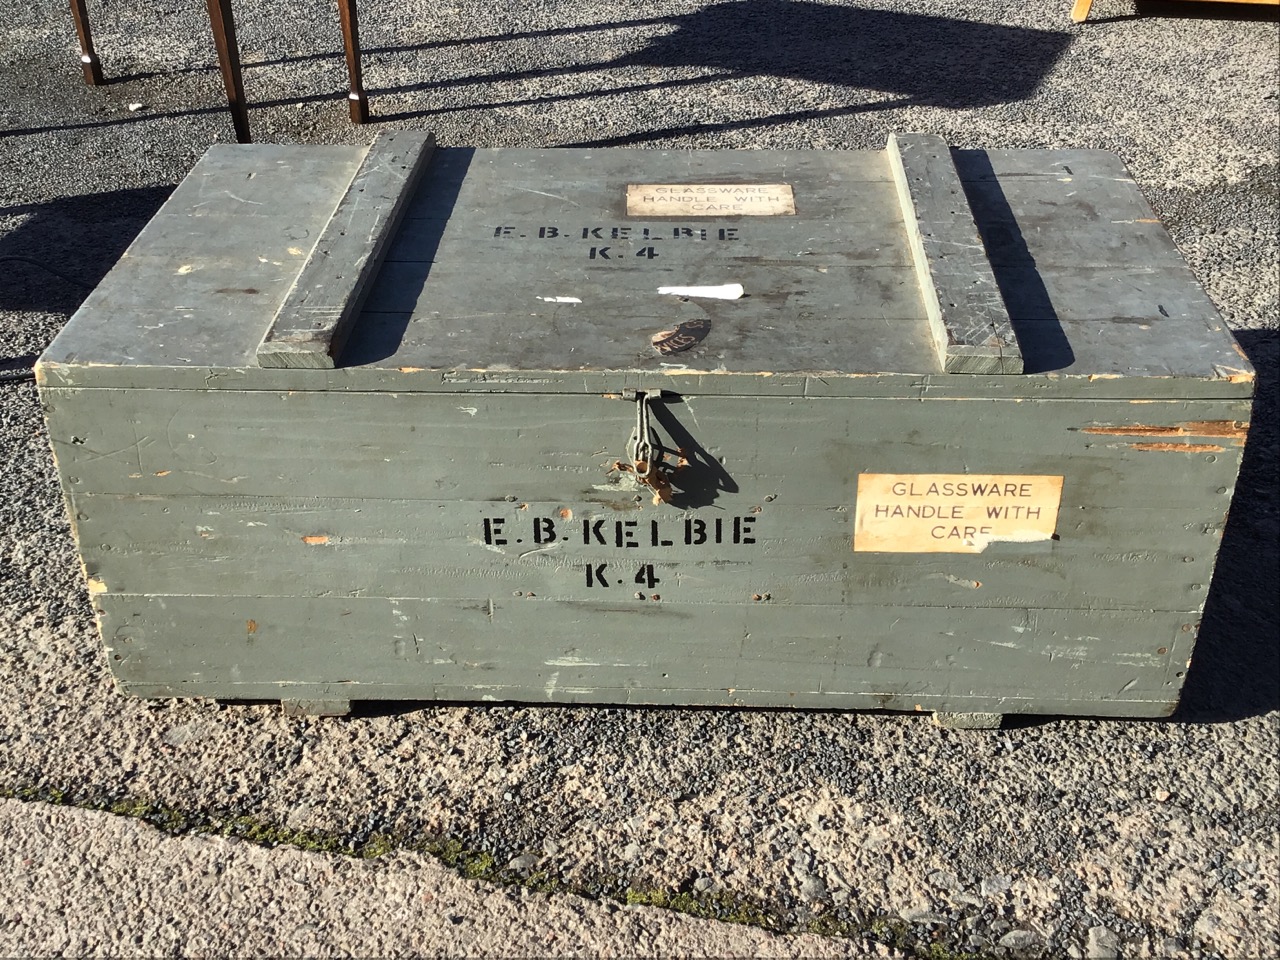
(251, 627)
(96, 586)
(960, 581)
(1178, 447)
(1234, 430)
(315, 540)
(559, 299)
(1233, 374)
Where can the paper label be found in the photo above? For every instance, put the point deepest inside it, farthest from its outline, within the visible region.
(952, 512)
(710, 199)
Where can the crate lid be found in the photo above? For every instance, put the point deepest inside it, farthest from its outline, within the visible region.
(406, 266)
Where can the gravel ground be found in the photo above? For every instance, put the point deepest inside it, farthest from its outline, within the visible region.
(1055, 838)
(157, 896)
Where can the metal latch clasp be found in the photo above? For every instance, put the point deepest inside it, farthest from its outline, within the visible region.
(644, 448)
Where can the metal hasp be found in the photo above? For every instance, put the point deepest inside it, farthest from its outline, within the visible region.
(644, 447)
(945, 431)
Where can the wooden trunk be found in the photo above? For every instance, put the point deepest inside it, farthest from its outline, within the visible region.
(411, 423)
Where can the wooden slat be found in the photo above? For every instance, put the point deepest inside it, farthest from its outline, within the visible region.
(966, 313)
(1119, 558)
(630, 651)
(315, 319)
(561, 447)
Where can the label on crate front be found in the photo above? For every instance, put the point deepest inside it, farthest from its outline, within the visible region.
(710, 199)
(952, 512)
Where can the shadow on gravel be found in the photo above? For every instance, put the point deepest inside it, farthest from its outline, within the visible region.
(917, 59)
(136, 118)
(61, 249)
(1236, 670)
(1180, 9)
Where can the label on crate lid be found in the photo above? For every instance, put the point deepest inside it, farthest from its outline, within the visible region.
(710, 199)
(952, 512)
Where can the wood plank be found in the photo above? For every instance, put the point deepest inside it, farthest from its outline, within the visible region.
(998, 660)
(312, 325)
(1136, 312)
(804, 451)
(763, 241)
(588, 187)
(1105, 557)
(1231, 378)
(966, 315)
(793, 319)
(173, 329)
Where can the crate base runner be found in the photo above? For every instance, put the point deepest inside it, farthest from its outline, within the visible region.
(912, 429)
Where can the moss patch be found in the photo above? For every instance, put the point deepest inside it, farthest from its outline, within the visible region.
(480, 865)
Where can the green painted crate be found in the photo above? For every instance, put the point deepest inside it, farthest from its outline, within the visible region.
(916, 429)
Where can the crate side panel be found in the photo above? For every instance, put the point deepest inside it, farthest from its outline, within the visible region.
(1104, 558)
(575, 652)
(494, 447)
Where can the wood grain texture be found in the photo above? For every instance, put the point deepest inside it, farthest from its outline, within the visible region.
(560, 447)
(1108, 557)
(312, 325)
(1037, 211)
(968, 320)
(531, 650)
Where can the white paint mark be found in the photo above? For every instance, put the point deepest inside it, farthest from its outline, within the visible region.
(553, 196)
(1005, 643)
(1011, 536)
(529, 553)
(560, 299)
(185, 269)
(550, 688)
(256, 203)
(135, 107)
(725, 291)
(296, 252)
(470, 411)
